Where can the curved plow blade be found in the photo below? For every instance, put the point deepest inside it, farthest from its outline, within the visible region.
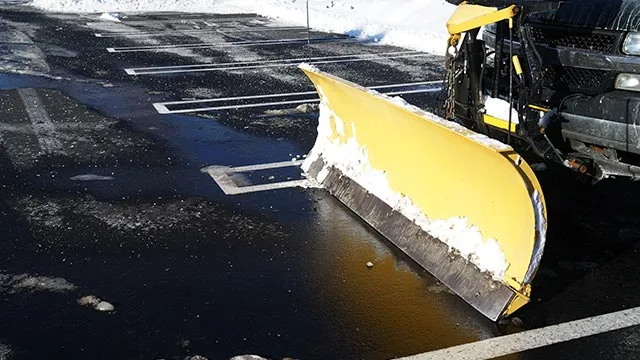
(465, 207)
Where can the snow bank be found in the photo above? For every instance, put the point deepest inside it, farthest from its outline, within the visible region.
(415, 24)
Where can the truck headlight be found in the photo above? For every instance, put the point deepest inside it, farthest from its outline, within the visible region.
(631, 44)
(628, 82)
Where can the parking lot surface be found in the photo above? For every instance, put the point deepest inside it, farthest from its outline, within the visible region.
(151, 164)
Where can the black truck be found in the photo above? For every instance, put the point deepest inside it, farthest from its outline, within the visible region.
(578, 98)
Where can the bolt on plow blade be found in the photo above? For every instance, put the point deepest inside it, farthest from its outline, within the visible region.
(465, 207)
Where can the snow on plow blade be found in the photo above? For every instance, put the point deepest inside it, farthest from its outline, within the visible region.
(466, 208)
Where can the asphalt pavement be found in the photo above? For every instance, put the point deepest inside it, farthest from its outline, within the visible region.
(107, 130)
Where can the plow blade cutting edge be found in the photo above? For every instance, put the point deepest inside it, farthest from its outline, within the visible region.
(465, 207)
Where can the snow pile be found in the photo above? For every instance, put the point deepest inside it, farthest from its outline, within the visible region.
(499, 109)
(352, 160)
(109, 17)
(415, 24)
(97, 303)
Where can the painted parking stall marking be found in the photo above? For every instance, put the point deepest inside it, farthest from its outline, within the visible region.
(223, 176)
(125, 21)
(169, 32)
(43, 127)
(537, 338)
(266, 29)
(263, 64)
(272, 100)
(231, 44)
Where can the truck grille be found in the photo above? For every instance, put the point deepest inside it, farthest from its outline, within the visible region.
(575, 38)
(577, 79)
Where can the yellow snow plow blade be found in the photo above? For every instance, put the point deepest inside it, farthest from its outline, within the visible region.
(465, 207)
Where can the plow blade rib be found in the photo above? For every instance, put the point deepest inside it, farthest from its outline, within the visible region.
(466, 208)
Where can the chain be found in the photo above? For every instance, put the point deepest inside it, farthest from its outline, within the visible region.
(450, 78)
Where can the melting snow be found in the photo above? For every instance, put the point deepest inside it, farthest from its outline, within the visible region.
(499, 109)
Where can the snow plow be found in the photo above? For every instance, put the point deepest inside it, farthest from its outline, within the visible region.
(454, 192)
(385, 160)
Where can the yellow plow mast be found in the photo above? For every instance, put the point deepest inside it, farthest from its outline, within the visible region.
(465, 207)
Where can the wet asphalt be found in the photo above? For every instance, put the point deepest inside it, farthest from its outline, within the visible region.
(118, 208)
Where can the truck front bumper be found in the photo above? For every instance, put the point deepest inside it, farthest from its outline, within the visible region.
(610, 120)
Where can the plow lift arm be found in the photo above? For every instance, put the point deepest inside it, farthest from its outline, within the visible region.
(462, 205)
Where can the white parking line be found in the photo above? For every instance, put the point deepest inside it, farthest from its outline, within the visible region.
(194, 31)
(222, 176)
(155, 33)
(234, 37)
(266, 96)
(187, 20)
(233, 98)
(228, 44)
(537, 338)
(267, 166)
(162, 109)
(310, 97)
(43, 127)
(257, 62)
(267, 29)
(263, 64)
